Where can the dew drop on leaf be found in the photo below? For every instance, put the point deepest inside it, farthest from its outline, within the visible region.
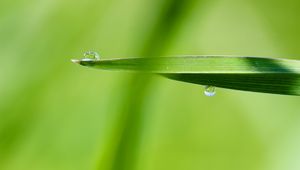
(209, 91)
(91, 55)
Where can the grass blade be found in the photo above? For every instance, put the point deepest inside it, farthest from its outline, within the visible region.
(267, 75)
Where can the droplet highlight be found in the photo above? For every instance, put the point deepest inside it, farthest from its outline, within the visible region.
(209, 91)
(91, 56)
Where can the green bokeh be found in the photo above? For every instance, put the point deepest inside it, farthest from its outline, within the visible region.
(57, 115)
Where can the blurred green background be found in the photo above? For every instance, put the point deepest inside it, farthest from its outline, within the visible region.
(55, 115)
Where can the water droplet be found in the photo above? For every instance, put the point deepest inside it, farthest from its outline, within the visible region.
(209, 91)
(90, 56)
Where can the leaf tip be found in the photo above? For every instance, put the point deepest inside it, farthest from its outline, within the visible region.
(76, 61)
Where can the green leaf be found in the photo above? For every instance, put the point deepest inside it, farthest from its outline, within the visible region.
(267, 75)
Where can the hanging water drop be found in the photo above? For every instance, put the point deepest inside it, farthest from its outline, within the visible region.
(209, 91)
(91, 56)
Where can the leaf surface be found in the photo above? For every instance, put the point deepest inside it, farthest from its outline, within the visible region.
(257, 74)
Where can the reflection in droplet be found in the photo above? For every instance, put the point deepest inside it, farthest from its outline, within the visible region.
(209, 91)
(91, 55)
